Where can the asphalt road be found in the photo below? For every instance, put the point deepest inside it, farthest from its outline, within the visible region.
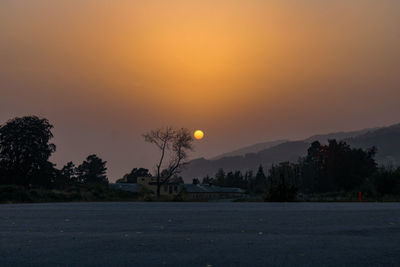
(200, 234)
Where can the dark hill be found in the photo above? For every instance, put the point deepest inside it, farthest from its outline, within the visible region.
(386, 140)
(288, 151)
(250, 149)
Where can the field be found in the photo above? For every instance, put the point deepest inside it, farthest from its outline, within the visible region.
(200, 234)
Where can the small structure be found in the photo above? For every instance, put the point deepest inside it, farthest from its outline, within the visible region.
(175, 186)
(170, 188)
(211, 192)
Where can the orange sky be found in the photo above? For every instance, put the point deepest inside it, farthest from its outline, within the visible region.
(244, 71)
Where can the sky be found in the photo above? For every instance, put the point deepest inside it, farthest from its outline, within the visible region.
(244, 71)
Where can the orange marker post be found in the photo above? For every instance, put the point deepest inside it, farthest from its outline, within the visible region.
(359, 196)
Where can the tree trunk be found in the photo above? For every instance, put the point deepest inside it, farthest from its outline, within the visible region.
(158, 187)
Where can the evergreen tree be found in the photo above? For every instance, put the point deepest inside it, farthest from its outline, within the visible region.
(92, 171)
(260, 182)
(220, 178)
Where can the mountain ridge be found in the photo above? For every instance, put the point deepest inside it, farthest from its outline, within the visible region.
(386, 139)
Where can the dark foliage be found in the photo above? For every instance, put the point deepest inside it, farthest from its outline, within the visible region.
(24, 152)
(133, 175)
(386, 181)
(260, 181)
(77, 192)
(283, 182)
(208, 180)
(92, 171)
(27, 174)
(336, 167)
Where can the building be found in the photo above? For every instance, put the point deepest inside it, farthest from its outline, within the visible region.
(172, 188)
(189, 192)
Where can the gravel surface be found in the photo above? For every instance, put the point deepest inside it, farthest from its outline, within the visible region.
(200, 234)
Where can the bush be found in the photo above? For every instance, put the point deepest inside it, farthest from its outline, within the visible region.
(15, 194)
(282, 193)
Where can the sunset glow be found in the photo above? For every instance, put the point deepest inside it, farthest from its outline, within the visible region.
(199, 132)
(241, 67)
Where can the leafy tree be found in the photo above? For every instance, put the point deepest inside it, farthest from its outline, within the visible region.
(69, 171)
(133, 175)
(24, 151)
(345, 168)
(336, 167)
(196, 181)
(312, 169)
(171, 142)
(92, 171)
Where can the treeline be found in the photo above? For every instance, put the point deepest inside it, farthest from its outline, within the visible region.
(25, 150)
(335, 167)
(27, 174)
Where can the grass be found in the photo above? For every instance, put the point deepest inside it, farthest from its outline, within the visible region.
(77, 193)
(82, 193)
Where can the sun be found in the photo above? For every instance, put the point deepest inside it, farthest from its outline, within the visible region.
(198, 134)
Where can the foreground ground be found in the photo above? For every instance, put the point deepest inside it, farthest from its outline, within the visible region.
(200, 234)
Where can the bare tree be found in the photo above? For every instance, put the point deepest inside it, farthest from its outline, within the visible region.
(173, 145)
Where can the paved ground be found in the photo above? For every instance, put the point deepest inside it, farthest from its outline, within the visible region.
(200, 234)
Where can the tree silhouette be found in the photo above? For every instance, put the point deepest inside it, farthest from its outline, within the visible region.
(208, 180)
(386, 181)
(69, 172)
(25, 150)
(173, 145)
(283, 182)
(92, 171)
(260, 180)
(220, 178)
(336, 167)
(133, 175)
(345, 168)
(312, 169)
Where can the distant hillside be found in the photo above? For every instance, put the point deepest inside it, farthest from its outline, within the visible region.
(288, 151)
(250, 149)
(323, 138)
(385, 139)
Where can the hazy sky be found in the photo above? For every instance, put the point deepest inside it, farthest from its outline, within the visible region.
(244, 71)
